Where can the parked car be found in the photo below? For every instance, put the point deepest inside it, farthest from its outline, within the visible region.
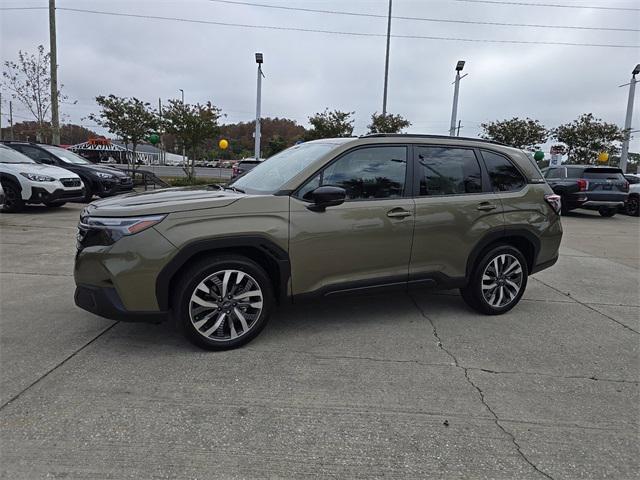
(212, 164)
(320, 218)
(244, 165)
(632, 206)
(595, 188)
(27, 182)
(100, 180)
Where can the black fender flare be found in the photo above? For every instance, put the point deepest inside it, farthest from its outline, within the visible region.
(260, 243)
(500, 233)
(8, 177)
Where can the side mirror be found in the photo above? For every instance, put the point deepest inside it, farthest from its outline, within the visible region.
(327, 196)
(48, 161)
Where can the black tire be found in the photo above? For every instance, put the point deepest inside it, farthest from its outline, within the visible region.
(12, 198)
(564, 205)
(203, 270)
(54, 204)
(633, 206)
(473, 292)
(88, 193)
(606, 211)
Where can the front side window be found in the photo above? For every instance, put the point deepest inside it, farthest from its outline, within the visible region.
(504, 176)
(67, 156)
(448, 171)
(365, 174)
(554, 173)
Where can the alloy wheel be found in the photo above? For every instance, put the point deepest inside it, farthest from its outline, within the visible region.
(502, 280)
(226, 305)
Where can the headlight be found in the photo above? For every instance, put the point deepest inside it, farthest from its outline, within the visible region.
(105, 175)
(34, 177)
(116, 228)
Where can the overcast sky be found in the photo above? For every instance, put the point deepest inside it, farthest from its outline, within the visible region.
(306, 72)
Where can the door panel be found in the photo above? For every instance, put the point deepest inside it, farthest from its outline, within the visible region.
(455, 208)
(358, 241)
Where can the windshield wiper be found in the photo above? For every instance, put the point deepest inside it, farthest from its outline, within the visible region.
(235, 189)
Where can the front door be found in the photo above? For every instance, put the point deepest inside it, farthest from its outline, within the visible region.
(455, 208)
(365, 241)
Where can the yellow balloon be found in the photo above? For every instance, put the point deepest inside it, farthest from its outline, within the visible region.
(223, 144)
(603, 157)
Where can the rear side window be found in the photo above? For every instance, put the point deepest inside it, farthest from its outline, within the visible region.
(574, 172)
(554, 173)
(504, 176)
(447, 171)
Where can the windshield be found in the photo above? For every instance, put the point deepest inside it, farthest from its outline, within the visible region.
(9, 155)
(66, 155)
(273, 173)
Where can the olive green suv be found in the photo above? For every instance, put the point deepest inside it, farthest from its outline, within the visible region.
(321, 218)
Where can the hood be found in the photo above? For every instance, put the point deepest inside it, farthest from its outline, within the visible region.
(167, 200)
(39, 168)
(99, 168)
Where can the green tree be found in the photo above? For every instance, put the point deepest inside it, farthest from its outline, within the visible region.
(526, 134)
(587, 136)
(388, 123)
(330, 124)
(130, 119)
(29, 82)
(274, 145)
(193, 126)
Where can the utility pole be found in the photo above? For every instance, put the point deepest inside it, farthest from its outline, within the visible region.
(0, 115)
(454, 110)
(10, 120)
(161, 154)
(459, 123)
(259, 60)
(627, 121)
(55, 121)
(386, 63)
(183, 156)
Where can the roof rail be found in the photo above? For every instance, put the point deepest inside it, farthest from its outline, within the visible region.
(420, 135)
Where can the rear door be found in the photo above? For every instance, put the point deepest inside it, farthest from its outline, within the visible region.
(455, 208)
(605, 184)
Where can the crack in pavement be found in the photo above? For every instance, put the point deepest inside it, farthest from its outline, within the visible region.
(587, 305)
(496, 419)
(55, 367)
(572, 377)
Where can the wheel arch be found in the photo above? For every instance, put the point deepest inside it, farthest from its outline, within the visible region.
(520, 238)
(262, 250)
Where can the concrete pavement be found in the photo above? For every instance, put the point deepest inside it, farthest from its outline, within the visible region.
(408, 385)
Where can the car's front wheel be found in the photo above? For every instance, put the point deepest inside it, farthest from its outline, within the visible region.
(54, 204)
(633, 206)
(223, 302)
(498, 281)
(606, 211)
(12, 198)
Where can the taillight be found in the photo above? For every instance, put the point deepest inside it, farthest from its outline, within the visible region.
(583, 185)
(554, 202)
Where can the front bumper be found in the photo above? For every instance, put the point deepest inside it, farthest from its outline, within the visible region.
(41, 195)
(105, 302)
(113, 187)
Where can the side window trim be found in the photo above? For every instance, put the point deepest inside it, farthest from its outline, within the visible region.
(484, 178)
(320, 171)
(525, 181)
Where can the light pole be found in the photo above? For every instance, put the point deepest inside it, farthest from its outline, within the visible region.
(259, 60)
(454, 110)
(183, 156)
(386, 64)
(627, 121)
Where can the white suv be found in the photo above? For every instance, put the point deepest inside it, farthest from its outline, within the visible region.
(25, 181)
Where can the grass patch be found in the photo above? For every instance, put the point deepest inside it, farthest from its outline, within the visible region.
(185, 182)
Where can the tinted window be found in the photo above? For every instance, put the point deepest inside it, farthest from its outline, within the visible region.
(504, 176)
(32, 152)
(574, 172)
(604, 174)
(554, 173)
(448, 171)
(365, 173)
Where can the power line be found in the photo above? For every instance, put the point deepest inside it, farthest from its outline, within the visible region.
(333, 32)
(556, 5)
(425, 19)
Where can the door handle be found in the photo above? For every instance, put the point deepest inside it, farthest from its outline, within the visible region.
(398, 213)
(486, 206)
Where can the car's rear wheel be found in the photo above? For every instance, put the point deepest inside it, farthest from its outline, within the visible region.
(606, 211)
(88, 193)
(223, 302)
(498, 281)
(54, 204)
(12, 198)
(633, 206)
(564, 205)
